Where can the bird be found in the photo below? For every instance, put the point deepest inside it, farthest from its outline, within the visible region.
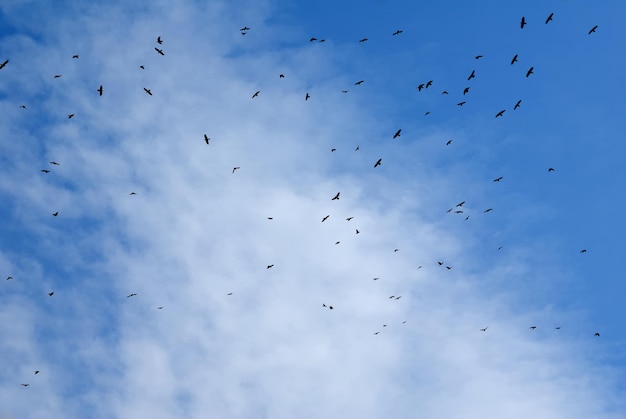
(375, 279)
(25, 385)
(592, 30)
(9, 278)
(597, 334)
(23, 106)
(478, 57)
(376, 333)
(378, 162)
(332, 150)
(485, 329)
(160, 51)
(583, 251)
(439, 263)
(517, 104)
(530, 71)
(549, 18)
(514, 60)
(307, 96)
(449, 142)
(398, 32)
(445, 92)
(466, 90)
(498, 179)
(281, 76)
(131, 295)
(363, 40)
(70, 116)
(558, 328)
(269, 266)
(51, 293)
(357, 148)
(230, 293)
(100, 90)
(357, 231)
(36, 372)
(499, 114)
(142, 67)
(256, 94)
(488, 210)
(349, 218)
(461, 103)
(147, 91)
(322, 40)
(427, 113)
(235, 168)
(160, 308)
(471, 76)
(159, 40)
(522, 23)
(359, 82)
(74, 56)
(270, 218)
(460, 204)
(4, 64)
(397, 134)
(458, 212)
(206, 139)
(45, 170)
(396, 250)
(336, 197)
(54, 214)
(533, 327)
(337, 242)
(56, 76)
(344, 91)
(420, 87)
(245, 28)
(429, 83)
(550, 169)
(55, 163)
(325, 218)
(132, 193)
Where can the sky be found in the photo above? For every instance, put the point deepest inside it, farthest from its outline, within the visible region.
(194, 280)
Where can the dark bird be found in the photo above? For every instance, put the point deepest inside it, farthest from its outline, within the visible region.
(558, 328)
(448, 267)
(530, 71)
(498, 179)
(522, 23)
(159, 40)
(583, 251)
(132, 193)
(375, 279)
(55, 214)
(23, 106)
(458, 212)
(445, 92)
(461, 103)
(206, 139)
(70, 116)
(230, 293)
(514, 60)
(396, 250)
(374, 333)
(51, 293)
(466, 90)
(449, 142)
(357, 148)
(100, 90)
(378, 162)
(397, 134)
(597, 334)
(357, 231)
(533, 327)
(420, 87)
(325, 218)
(439, 263)
(245, 28)
(4, 64)
(25, 385)
(429, 83)
(460, 204)
(427, 113)
(55, 163)
(471, 76)
(330, 307)
(322, 40)
(307, 96)
(312, 39)
(235, 168)
(142, 67)
(147, 91)
(363, 40)
(398, 32)
(57, 76)
(160, 308)
(499, 114)
(478, 57)
(336, 197)
(549, 18)
(359, 82)
(550, 169)
(45, 170)
(9, 278)
(332, 150)
(160, 51)
(74, 56)
(349, 218)
(131, 295)
(269, 266)
(270, 218)
(281, 76)
(519, 102)
(485, 329)
(36, 372)
(488, 210)
(337, 242)
(592, 30)
(256, 94)
(344, 91)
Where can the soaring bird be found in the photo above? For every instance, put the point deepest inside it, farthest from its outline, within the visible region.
(9, 278)
(325, 218)
(449, 142)
(132, 193)
(337, 242)
(36, 372)
(349, 218)
(478, 57)
(519, 102)
(398, 32)
(312, 39)
(522, 23)
(498, 179)
(530, 71)
(592, 30)
(597, 334)
(56, 76)
(583, 251)
(25, 385)
(429, 83)
(147, 91)
(357, 148)
(307, 96)
(3, 64)
(485, 329)
(256, 94)
(23, 106)
(471, 76)
(420, 87)
(236, 168)
(344, 91)
(45, 170)
(159, 40)
(466, 91)
(142, 67)
(514, 60)
(359, 82)
(533, 327)
(269, 266)
(336, 197)
(245, 28)
(70, 116)
(55, 163)
(357, 231)
(74, 56)
(488, 210)
(557, 328)
(460, 204)
(499, 114)
(549, 18)
(131, 295)
(160, 51)
(281, 76)
(461, 103)
(445, 92)
(206, 139)
(51, 293)
(397, 134)
(550, 169)
(54, 214)
(363, 40)
(378, 162)
(100, 90)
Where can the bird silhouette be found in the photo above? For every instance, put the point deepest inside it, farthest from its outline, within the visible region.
(142, 67)
(325, 218)
(583, 251)
(357, 148)
(378, 162)
(429, 83)
(74, 56)
(236, 168)
(478, 57)
(147, 91)
(23, 106)
(159, 40)
(530, 71)
(307, 96)
(549, 18)
(55, 163)
(517, 104)
(359, 82)
(472, 75)
(54, 214)
(485, 329)
(460, 103)
(70, 116)
(270, 266)
(245, 28)
(363, 40)
(206, 139)
(466, 91)
(281, 76)
(597, 334)
(45, 170)
(36, 372)
(4, 64)
(56, 76)
(256, 94)
(397, 134)
(514, 60)
(398, 32)
(550, 169)
(357, 231)
(488, 210)
(336, 197)
(349, 218)
(499, 114)
(522, 23)
(312, 39)
(131, 295)
(460, 204)
(132, 193)
(498, 179)
(100, 90)
(592, 30)
(445, 92)
(9, 278)
(420, 87)
(160, 51)
(449, 142)
(25, 385)
(51, 293)
(533, 327)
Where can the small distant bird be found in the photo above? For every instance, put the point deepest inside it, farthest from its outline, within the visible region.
(549, 18)
(336, 197)
(427, 113)
(132, 193)
(56, 76)
(100, 90)
(420, 87)
(522, 23)
(332, 150)
(281, 76)
(375, 279)
(74, 56)
(307, 96)
(9, 278)
(147, 91)
(70, 116)
(471, 76)
(142, 67)
(460, 204)
(206, 139)
(325, 218)
(160, 51)
(592, 30)
(363, 40)
(270, 218)
(519, 102)
(378, 162)
(439, 263)
(558, 328)
(45, 170)
(244, 33)
(36, 372)
(458, 212)
(449, 142)
(357, 148)
(429, 83)
(359, 82)
(256, 94)
(357, 231)
(235, 168)
(583, 251)
(159, 40)
(460, 104)
(530, 71)
(25, 385)
(488, 210)
(550, 169)
(131, 295)
(245, 28)
(466, 90)
(498, 179)
(54, 214)
(51, 293)
(478, 57)
(448, 267)
(330, 307)
(398, 32)
(344, 91)
(349, 218)
(269, 266)
(55, 163)
(23, 106)
(4, 64)
(533, 327)
(397, 134)
(445, 92)
(499, 114)
(396, 250)
(160, 308)
(597, 334)
(376, 333)
(337, 242)
(322, 40)
(514, 60)
(230, 293)
(485, 329)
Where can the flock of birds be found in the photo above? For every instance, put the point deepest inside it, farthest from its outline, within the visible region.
(457, 209)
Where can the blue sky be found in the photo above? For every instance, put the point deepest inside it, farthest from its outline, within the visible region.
(236, 339)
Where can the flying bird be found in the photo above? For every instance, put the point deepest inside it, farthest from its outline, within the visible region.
(533, 327)
(245, 28)
(25, 385)
(488, 210)
(307, 97)
(445, 92)
(466, 90)
(550, 169)
(583, 251)
(449, 142)
(349, 218)
(498, 179)
(357, 148)
(142, 67)
(235, 168)
(592, 30)
(132, 193)
(55, 163)
(206, 139)
(54, 214)
(461, 103)
(429, 83)
(336, 197)
(281, 76)
(74, 56)
(478, 57)
(45, 170)
(363, 40)
(100, 90)
(522, 23)
(337, 242)
(9, 278)
(514, 60)
(4, 64)
(460, 204)
(147, 91)
(499, 114)
(485, 329)
(56, 76)
(160, 51)
(269, 266)
(23, 106)
(471, 76)
(378, 162)
(397, 134)
(256, 94)
(597, 334)
(70, 116)
(51, 293)
(159, 40)
(357, 231)
(131, 295)
(398, 32)
(530, 71)
(359, 82)
(517, 104)
(420, 87)
(549, 18)
(36, 372)
(325, 218)
(558, 328)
